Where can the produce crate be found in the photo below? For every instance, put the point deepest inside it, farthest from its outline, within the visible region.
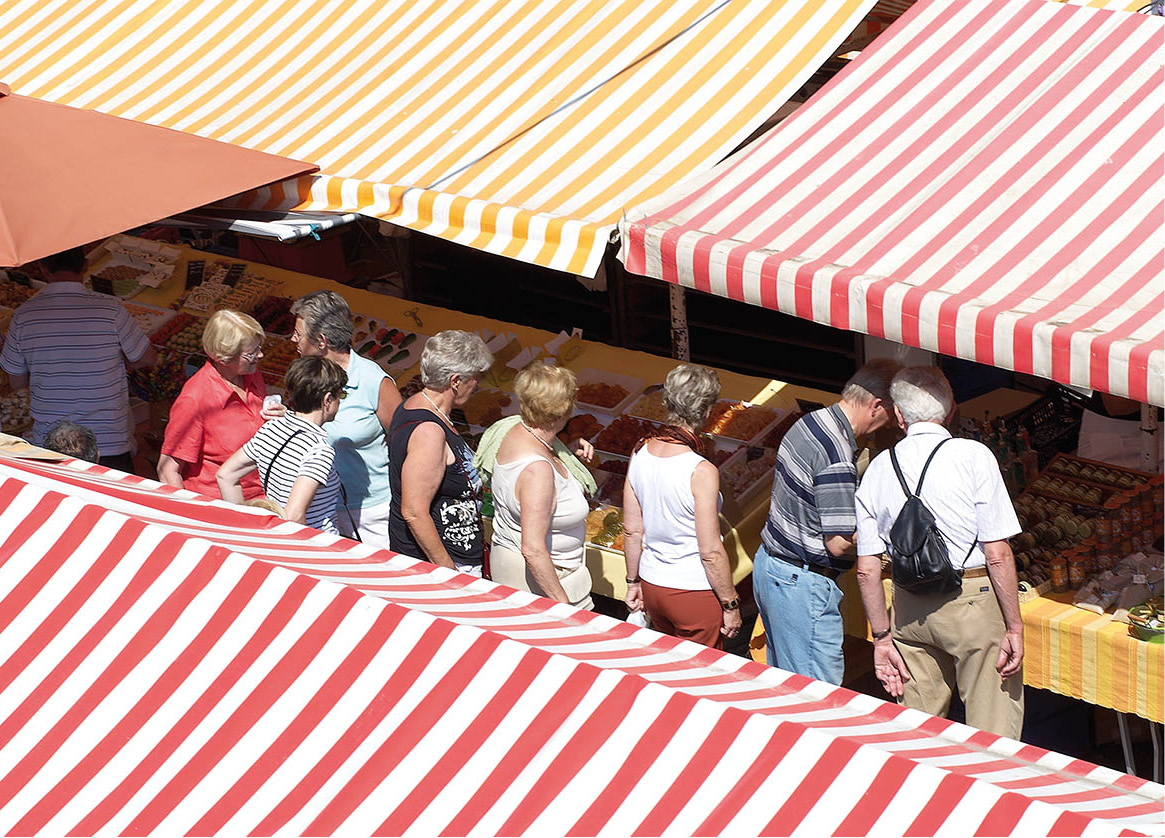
(1053, 422)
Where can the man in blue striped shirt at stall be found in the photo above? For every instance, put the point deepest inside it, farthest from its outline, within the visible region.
(808, 539)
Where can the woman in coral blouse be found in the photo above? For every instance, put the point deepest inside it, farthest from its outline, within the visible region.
(220, 407)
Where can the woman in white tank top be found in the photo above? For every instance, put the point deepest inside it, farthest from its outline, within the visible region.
(540, 511)
(677, 567)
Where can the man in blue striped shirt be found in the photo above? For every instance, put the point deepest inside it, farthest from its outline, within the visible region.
(808, 539)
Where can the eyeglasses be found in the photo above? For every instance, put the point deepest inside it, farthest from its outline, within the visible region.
(340, 396)
(251, 356)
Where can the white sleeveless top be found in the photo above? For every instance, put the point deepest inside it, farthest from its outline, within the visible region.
(663, 487)
(568, 525)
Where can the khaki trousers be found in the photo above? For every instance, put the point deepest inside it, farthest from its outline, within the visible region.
(950, 640)
(509, 568)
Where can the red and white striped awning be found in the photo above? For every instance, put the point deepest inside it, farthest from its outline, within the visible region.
(173, 665)
(985, 180)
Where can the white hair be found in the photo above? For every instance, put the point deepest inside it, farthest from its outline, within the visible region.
(453, 352)
(922, 394)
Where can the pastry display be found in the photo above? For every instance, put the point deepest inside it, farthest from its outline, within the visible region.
(602, 395)
(621, 436)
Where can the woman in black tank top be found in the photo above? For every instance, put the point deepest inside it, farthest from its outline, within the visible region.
(436, 504)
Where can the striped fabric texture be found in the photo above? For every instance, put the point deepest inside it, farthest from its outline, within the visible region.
(172, 665)
(985, 181)
(513, 126)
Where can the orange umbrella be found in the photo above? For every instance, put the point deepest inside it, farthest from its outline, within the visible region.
(70, 176)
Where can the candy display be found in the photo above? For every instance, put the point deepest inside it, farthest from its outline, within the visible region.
(605, 527)
(176, 324)
(150, 318)
(650, 406)
(390, 347)
(274, 315)
(602, 395)
(486, 407)
(14, 417)
(12, 294)
(186, 337)
(278, 353)
(163, 381)
(739, 420)
(580, 427)
(748, 471)
(772, 438)
(622, 434)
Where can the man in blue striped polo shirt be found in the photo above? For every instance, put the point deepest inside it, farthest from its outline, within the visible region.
(808, 539)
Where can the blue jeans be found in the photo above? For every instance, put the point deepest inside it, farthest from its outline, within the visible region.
(800, 610)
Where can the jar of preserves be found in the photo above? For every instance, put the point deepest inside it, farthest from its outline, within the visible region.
(1077, 571)
(1059, 569)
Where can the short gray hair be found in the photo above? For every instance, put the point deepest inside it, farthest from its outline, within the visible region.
(453, 352)
(689, 392)
(922, 394)
(72, 440)
(325, 313)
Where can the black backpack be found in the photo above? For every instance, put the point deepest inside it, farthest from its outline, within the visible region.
(919, 560)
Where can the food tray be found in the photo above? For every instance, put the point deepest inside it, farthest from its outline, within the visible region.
(488, 406)
(390, 347)
(724, 407)
(595, 526)
(621, 428)
(586, 425)
(150, 318)
(750, 488)
(633, 386)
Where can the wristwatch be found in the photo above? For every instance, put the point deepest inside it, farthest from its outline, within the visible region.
(731, 605)
(878, 635)
(631, 581)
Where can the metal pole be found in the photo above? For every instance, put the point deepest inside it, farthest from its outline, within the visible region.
(680, 347)
(1149, 459)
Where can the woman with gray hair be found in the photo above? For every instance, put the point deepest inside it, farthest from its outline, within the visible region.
(436, 490)
(677, 567)
(323, 327)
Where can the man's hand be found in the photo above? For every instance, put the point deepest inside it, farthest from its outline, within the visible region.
(1010, 654)
(889, 667)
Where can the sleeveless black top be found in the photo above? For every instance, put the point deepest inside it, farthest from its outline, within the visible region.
(455, 510)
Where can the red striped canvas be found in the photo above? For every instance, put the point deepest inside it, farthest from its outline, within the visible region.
(173, 665)
(985, 181)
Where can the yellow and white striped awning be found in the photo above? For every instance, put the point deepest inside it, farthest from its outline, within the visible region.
(514, 126)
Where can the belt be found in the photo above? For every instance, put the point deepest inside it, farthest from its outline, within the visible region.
(974, 572)
(820, 570)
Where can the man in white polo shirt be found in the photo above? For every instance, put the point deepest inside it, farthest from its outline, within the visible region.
(71, 346)
(972, 638)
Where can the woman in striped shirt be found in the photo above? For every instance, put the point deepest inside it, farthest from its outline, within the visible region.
(295, 461)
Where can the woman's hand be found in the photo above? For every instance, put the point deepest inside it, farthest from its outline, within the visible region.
(273, 410)
(634, 597)
(584, 450)
(730, 623)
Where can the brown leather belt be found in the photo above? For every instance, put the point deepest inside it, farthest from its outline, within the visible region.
(974, 572)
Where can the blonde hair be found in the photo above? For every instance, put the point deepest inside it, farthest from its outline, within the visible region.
(546, 394)
(689, 391)
(227, 334)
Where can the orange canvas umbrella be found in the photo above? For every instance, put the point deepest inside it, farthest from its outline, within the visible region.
(70, 176)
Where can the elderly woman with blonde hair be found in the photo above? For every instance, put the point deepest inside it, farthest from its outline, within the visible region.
(540, 510)
(677, 567)
(220, 407)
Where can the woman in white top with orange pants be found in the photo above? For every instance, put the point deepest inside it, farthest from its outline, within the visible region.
(540, 511)
(677, 567)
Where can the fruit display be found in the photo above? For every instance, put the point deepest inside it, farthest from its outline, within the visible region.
(14, 416)
(621, 436)
(278, 353)
(274, 315)
(599, 394)
(748, 468)
(605, 528)
(580, 427)
(486, 407)
(176, 324)
(12, 294)
(739, 420)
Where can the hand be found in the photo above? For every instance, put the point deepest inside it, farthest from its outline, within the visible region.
(634, 598)
(730, 625)
(273, 411)
(889, 667)
(584, 450)
(1010, 654)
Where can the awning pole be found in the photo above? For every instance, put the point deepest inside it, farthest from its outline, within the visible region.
(680, 348)
(1149, 461)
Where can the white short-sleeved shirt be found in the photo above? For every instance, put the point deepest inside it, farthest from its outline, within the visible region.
(963, 490)
(72, 343)
(306, 454)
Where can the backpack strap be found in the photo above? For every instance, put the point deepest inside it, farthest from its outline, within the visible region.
(267, 471)
(918, 491)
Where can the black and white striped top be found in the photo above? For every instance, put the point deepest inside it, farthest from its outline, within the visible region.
(307, 454)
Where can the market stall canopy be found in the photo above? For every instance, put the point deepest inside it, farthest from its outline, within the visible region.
(517, 127)
(281, 226)
(174, 665)
(986, 181)
(70, 176)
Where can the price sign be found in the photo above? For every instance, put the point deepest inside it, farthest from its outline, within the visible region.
(102, 285)
(194, 271)
(235, 274)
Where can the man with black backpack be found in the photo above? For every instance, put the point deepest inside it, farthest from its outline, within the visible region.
(938, 506)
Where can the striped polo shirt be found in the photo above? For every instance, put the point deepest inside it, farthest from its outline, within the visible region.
(813, 488)
(291, 447)
(72, 343)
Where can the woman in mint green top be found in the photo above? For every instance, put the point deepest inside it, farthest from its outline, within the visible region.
(323, 326)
